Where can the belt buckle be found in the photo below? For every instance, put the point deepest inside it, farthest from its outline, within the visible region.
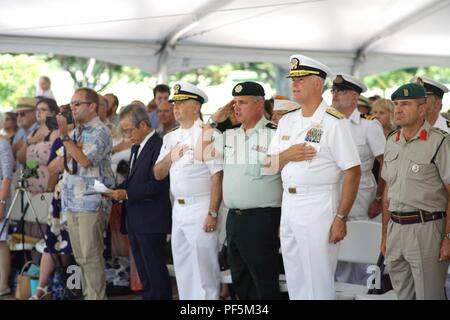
(181, 201)
(422, 217)
(238, 212)
(292, 190)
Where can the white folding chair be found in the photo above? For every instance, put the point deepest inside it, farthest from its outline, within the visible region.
(361, 245)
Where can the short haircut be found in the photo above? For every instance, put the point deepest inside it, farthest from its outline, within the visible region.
(136, 114)
(51, 103)
(46, 79)
(161, 88)
(91, 96)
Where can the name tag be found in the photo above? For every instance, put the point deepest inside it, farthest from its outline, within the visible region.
(284, 138)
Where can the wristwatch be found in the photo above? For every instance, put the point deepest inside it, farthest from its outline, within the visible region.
(378, 198)
(447, 236)
(66, 138)
(213, 214)
(212, 123)
(342, 217)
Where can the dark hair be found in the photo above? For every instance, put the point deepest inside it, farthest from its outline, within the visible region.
(91, 96)
(161, 88)
(51, 103)
(13, 117)
(116, 100)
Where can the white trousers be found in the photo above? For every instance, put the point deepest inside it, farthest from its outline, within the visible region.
(195, 252)
(309, 259)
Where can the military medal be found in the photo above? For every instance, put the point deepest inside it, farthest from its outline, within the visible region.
(415, 168)
(314, 135)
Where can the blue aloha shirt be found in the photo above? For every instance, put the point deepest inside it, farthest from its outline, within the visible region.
(97, 145)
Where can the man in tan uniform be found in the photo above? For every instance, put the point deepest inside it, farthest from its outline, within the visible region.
(416, 224)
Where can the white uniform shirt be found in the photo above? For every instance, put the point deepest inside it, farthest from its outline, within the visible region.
(370, 141)
(330, 136)
(188, 177)
(441, 123)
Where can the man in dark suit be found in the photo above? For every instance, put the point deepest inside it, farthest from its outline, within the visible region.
(148, 209)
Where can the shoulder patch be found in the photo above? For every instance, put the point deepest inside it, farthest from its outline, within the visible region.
(291, 111)
(392, 133)
(271, 125)
(440, 131)
(368, 116)
(333, 112)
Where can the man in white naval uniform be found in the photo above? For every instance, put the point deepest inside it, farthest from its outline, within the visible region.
(435, 93)
(320, 171)
(369, 138)
(197, 190)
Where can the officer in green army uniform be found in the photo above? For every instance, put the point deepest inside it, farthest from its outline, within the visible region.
(252, 196)
(416, 224)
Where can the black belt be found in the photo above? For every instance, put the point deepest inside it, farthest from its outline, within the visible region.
(416, 216)
(240, 212)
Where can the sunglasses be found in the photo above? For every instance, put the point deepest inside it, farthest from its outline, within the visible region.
(23, 113)
(79, 103)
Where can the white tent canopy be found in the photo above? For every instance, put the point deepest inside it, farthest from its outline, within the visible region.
(161, 37)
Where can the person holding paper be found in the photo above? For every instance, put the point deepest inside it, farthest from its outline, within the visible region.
(147, 203)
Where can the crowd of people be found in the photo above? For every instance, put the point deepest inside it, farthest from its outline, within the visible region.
(288, 175)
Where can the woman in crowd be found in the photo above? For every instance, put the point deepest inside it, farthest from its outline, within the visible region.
(6, 173)
(383, 110)
(10, 126)
(57, 249)
(38, 145)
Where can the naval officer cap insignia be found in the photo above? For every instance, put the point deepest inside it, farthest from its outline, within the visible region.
(186, 91)
(432, 87)
(248, 88)
(347, 82)
(303, 66)
(409, 91)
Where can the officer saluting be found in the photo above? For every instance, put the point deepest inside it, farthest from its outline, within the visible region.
(253, 198)
(320, 170)
(435, 93)
(197, 189)
(416, 225)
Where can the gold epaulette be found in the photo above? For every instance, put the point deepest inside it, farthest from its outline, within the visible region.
(368, 116)
(335, 113)
(448, 123)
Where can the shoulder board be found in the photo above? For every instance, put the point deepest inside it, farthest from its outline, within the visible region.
(291, 111)
(271, 125)
(392, 133)
(175, 128)
(368, 116)
(335, 113)
(448, 123)
(439, 130)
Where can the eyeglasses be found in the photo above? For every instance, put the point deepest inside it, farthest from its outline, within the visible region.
(23, 113)
(79, 103)
(338, 91)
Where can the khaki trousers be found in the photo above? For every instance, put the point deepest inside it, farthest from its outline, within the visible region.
(412, 259)
(86, 230)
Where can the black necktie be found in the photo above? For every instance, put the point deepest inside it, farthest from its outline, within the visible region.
(134, 153)
(76, 139)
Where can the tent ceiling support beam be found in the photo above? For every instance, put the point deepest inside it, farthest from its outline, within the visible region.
(415, 16)
(170, 41)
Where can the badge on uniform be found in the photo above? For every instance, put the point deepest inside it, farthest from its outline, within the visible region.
(314, 135)
(415, 168)
(259, 149)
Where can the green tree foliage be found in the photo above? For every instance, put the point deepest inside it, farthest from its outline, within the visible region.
(18, 77)
(88, 72)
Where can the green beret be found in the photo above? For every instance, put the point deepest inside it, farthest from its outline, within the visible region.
(409, 91)
(248, 89)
